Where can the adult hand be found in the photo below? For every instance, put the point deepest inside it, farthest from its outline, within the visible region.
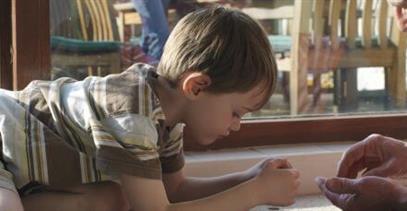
(400, 12)
(379, 155)
(398, 3)
(367, 193)
(276, 163)
(401, 17)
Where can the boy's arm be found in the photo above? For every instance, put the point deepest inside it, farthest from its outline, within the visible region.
(270, 185)
(149, 194)
(181, 188)
(9, 200)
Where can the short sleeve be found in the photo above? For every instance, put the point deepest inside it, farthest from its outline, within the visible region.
(131, 147)
(6, 179)
(171, 153)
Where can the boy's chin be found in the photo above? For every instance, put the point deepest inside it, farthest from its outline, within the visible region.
(205, 141)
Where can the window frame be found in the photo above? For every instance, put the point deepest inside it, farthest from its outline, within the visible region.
(31, 60)
(309, 130)
(30, 41)
(5, 45)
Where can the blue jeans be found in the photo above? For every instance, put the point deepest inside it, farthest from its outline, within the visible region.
(155, 28)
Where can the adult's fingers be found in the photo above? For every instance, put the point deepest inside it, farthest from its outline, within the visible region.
(335, 198)
(398, 11)
(403, 23)
(351, 160)
(384, 170)
(342, 186)
(401, 18)
(398, 3)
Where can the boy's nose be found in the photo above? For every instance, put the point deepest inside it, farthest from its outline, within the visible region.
(235, 125)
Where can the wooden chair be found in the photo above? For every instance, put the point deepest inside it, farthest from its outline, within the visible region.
(276, 18)
(84, 35)
(331, 42)
(323, 37)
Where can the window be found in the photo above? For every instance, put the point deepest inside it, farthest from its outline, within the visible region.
(342, 63)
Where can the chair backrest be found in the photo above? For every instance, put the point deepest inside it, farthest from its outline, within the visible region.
(64, 20)
(96, 20)
(90, 20)
(358, 22)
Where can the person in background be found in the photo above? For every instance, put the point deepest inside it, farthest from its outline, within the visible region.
(155, 29)
(154, 13)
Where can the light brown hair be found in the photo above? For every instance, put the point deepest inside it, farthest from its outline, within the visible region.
(227, 45)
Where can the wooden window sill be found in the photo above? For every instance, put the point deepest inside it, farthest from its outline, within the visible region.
(318, 159)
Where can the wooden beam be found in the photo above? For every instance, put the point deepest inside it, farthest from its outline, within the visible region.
(325, 59)
(299, 53)
(310, 130)
(6, 75)
(31, 41)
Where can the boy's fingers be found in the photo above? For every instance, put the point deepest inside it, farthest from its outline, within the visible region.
(289, 164)
(295, 173)
(280, 164)
(297, 184)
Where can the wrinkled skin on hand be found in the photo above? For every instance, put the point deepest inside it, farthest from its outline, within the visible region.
(377, 155)
(367, 193)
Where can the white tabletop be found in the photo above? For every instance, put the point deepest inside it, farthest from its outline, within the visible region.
(304, 203)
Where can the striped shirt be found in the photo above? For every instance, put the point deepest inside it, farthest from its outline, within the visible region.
(68, 132)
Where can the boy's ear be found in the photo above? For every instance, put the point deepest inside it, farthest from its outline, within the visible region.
(194, 83)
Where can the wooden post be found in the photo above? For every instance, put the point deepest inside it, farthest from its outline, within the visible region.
(397, 73)
(30, 41)
(299, 49)
(6, 76)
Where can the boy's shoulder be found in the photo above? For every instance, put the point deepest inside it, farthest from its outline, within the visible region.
(127, 92)
(137, 76)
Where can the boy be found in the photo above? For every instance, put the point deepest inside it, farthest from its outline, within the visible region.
(61, 139)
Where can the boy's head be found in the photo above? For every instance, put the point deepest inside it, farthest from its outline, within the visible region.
(219, 52)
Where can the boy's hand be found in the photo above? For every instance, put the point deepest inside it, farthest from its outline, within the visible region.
(276, 182)
(366, 193)
(277, 163)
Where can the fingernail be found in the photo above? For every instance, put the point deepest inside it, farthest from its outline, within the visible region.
(331, 183)
(320, 180)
